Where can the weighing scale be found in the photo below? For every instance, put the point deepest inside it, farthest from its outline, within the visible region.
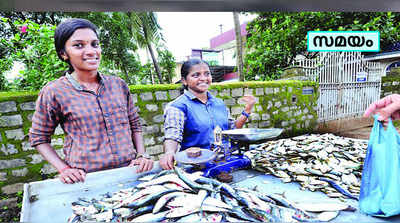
(226, 152)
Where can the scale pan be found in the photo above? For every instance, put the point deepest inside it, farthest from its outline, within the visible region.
(252, 134)
(206, 155)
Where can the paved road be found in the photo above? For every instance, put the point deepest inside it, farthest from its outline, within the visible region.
(361, 133)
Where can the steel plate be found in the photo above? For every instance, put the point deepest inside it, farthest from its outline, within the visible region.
(206, 155)
(252, 134)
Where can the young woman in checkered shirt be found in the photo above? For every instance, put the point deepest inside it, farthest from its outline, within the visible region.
(96, 111)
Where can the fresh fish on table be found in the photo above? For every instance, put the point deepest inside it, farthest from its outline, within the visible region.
(159, 198)
(309, 158)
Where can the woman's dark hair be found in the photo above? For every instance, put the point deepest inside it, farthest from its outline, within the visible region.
(185, 69)
(65, 30)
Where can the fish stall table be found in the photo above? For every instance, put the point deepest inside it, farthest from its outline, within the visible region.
(50, 200)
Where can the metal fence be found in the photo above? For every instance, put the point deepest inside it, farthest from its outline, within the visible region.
(347, 83)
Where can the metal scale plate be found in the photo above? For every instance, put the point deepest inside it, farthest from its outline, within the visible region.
(206, 156)
(211, 164)
(251, 135)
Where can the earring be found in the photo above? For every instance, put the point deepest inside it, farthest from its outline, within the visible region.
(62, 54)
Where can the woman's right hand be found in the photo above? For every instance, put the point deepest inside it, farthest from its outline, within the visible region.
(167, 161)
(72, 175)
(386, 107)
(249, 101)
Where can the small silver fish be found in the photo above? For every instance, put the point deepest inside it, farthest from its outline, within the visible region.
(150, 217)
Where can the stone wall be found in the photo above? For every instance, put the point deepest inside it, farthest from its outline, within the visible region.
(391, 83)
(287, 104)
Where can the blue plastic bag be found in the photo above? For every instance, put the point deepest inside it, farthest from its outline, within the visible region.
(380, 182)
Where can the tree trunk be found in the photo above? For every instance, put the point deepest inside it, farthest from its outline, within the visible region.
(152, 77)
(155, 63)
(158, 71)
(122, 68)
(126, 75)
(239, 46)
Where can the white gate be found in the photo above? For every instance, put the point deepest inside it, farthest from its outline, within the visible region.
(347, 84)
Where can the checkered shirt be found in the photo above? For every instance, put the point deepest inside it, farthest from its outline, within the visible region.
(98, 127)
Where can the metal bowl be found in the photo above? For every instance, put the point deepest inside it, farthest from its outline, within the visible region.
(249, 135)
(206, 155)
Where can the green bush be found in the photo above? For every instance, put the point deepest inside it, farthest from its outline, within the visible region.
(34, 47)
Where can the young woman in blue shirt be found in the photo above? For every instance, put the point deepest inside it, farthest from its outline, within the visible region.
(191, 118)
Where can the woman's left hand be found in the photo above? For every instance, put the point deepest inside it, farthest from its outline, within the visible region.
(142, 164)
(249, 100)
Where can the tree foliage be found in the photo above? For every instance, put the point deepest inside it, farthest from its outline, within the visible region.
(275, 38)
(8, 29)
(167, 64)
(32, 46)
(146, 32)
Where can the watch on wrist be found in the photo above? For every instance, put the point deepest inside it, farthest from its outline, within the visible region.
(247, 115)
(144, 155)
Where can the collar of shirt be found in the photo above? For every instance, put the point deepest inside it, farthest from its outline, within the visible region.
(77, 85)
(192, 96)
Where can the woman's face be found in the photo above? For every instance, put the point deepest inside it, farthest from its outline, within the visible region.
(199, 78)
(83, 50)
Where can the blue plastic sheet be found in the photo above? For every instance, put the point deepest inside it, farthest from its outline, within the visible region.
(380, 183)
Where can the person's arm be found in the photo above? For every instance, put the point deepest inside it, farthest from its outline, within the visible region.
(138, 142)
(68, 175)
(174, 121)
(44, 121)
(142, 160)
(250, 101)
(167, 159)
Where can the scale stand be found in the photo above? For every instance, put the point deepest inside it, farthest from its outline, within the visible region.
(229, 162)
(233, 158)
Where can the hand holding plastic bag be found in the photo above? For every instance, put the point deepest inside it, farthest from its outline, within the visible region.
(380, 183)
(387, 107)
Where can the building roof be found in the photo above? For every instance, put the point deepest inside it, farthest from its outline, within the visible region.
(382, 56)
(205, 50)
(227, 36)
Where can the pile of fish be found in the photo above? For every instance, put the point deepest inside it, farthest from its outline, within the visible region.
(327, 163)
(174, 195)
